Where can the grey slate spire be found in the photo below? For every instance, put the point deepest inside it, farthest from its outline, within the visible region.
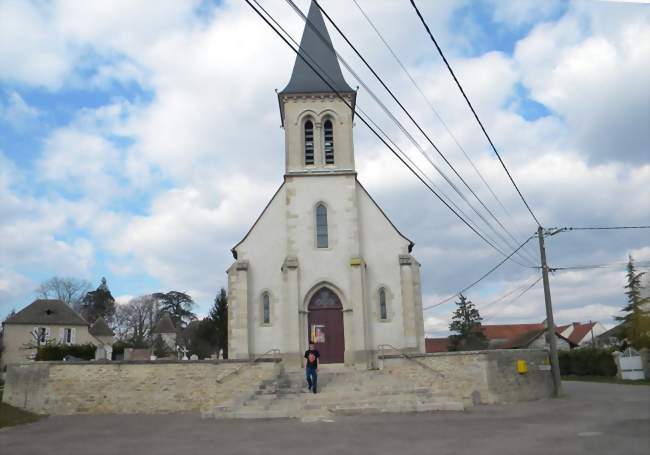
(316, 47)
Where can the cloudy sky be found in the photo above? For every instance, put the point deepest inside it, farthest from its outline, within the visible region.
(140, 140)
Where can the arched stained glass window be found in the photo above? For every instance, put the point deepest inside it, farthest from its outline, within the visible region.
(383, 314)
(328, 144)
(309, 142)
(266, 308)
(321, 226)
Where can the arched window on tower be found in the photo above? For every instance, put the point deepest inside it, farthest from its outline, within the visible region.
(309, 142)
(383, 314)
(321, 226)
(328, 145)
(266, 308)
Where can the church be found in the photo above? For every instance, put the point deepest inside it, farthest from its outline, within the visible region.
(322, 264)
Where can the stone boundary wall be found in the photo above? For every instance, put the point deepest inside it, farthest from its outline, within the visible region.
(61, 388)
(477, 377)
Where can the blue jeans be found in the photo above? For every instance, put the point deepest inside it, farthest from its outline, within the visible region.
(312, 378)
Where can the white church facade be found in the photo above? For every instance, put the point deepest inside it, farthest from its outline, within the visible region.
(322, 263)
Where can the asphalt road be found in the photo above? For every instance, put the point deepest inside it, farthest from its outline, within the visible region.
(591, 419)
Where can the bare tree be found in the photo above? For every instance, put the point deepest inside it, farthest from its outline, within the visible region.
(135, 320)
(69, 290)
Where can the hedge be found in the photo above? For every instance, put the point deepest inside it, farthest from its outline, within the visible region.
(587, 362)
(56, 351)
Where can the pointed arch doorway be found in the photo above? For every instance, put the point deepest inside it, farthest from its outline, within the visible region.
(325, 325)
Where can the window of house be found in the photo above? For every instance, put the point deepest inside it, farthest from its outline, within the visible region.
(383, 314)
(321, 226)
(328, 145)
(67, 335)
(309, 142)
(41, 334)
(266, 308)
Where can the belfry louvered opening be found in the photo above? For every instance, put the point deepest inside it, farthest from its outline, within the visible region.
(328, 145)
(309, 142)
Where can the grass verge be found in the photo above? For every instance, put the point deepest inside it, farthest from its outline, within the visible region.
(10, 416)
(605, 379)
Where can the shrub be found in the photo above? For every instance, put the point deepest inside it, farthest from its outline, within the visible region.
(56, 351)
(587, 362)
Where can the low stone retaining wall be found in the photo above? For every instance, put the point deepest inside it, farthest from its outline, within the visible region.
(477, 377)
(60, 388)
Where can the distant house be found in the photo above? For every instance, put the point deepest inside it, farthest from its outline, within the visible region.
(433, 345)
(45, 321)
(509, 336)
(104, 335)
(582, 334)
(613, 336)
(167, 331)
(523, 336)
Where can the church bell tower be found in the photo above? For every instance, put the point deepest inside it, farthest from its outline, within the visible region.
(317, 123)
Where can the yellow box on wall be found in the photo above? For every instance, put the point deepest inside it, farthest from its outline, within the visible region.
(522, 367)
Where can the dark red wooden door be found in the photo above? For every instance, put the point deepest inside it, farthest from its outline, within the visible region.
(326, 326)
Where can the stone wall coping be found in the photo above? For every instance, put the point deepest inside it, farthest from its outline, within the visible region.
(149, 362)
(461, 353)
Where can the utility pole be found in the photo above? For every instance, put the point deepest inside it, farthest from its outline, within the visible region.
(550, 324)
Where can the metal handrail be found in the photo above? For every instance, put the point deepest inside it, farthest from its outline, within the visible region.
(404, 354)
(240, 367)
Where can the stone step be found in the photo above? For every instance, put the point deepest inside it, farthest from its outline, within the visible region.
(354, 408)
(381, 408)
(342, 390)
(316, 401)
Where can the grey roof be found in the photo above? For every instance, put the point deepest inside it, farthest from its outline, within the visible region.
(316, 47)
(99, 328)
(164, 325)
(53, 312)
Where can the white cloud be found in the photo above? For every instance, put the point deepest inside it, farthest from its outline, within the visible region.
(31, 50)
(12, 289)
(434, 325)
(16, 112)
(184, 240)
(522, 12)
(204, 153)
(123, 299)
(595, 77)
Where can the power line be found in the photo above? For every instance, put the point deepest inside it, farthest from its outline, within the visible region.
(386, 136)
(436, 113)
(599, 228)
(403, 129)
(365, 122)
(460, 87)
(417, 125)
(641, 264)
(479, 280)
(516, 298)
(508, 294)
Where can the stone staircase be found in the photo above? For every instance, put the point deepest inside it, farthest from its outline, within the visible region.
(341, 391)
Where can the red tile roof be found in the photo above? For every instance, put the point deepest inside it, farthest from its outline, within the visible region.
(509, 331)
(513, 336)
(580, 331)
(436, 344)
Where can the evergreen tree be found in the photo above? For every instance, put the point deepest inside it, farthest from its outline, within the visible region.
(466, 322)
(219, 315)
(637, 318)
(99, 303)
(200, 338)
(160, 348)
(178, 305)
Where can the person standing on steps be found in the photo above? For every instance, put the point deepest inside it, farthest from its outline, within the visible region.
(311, 365)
